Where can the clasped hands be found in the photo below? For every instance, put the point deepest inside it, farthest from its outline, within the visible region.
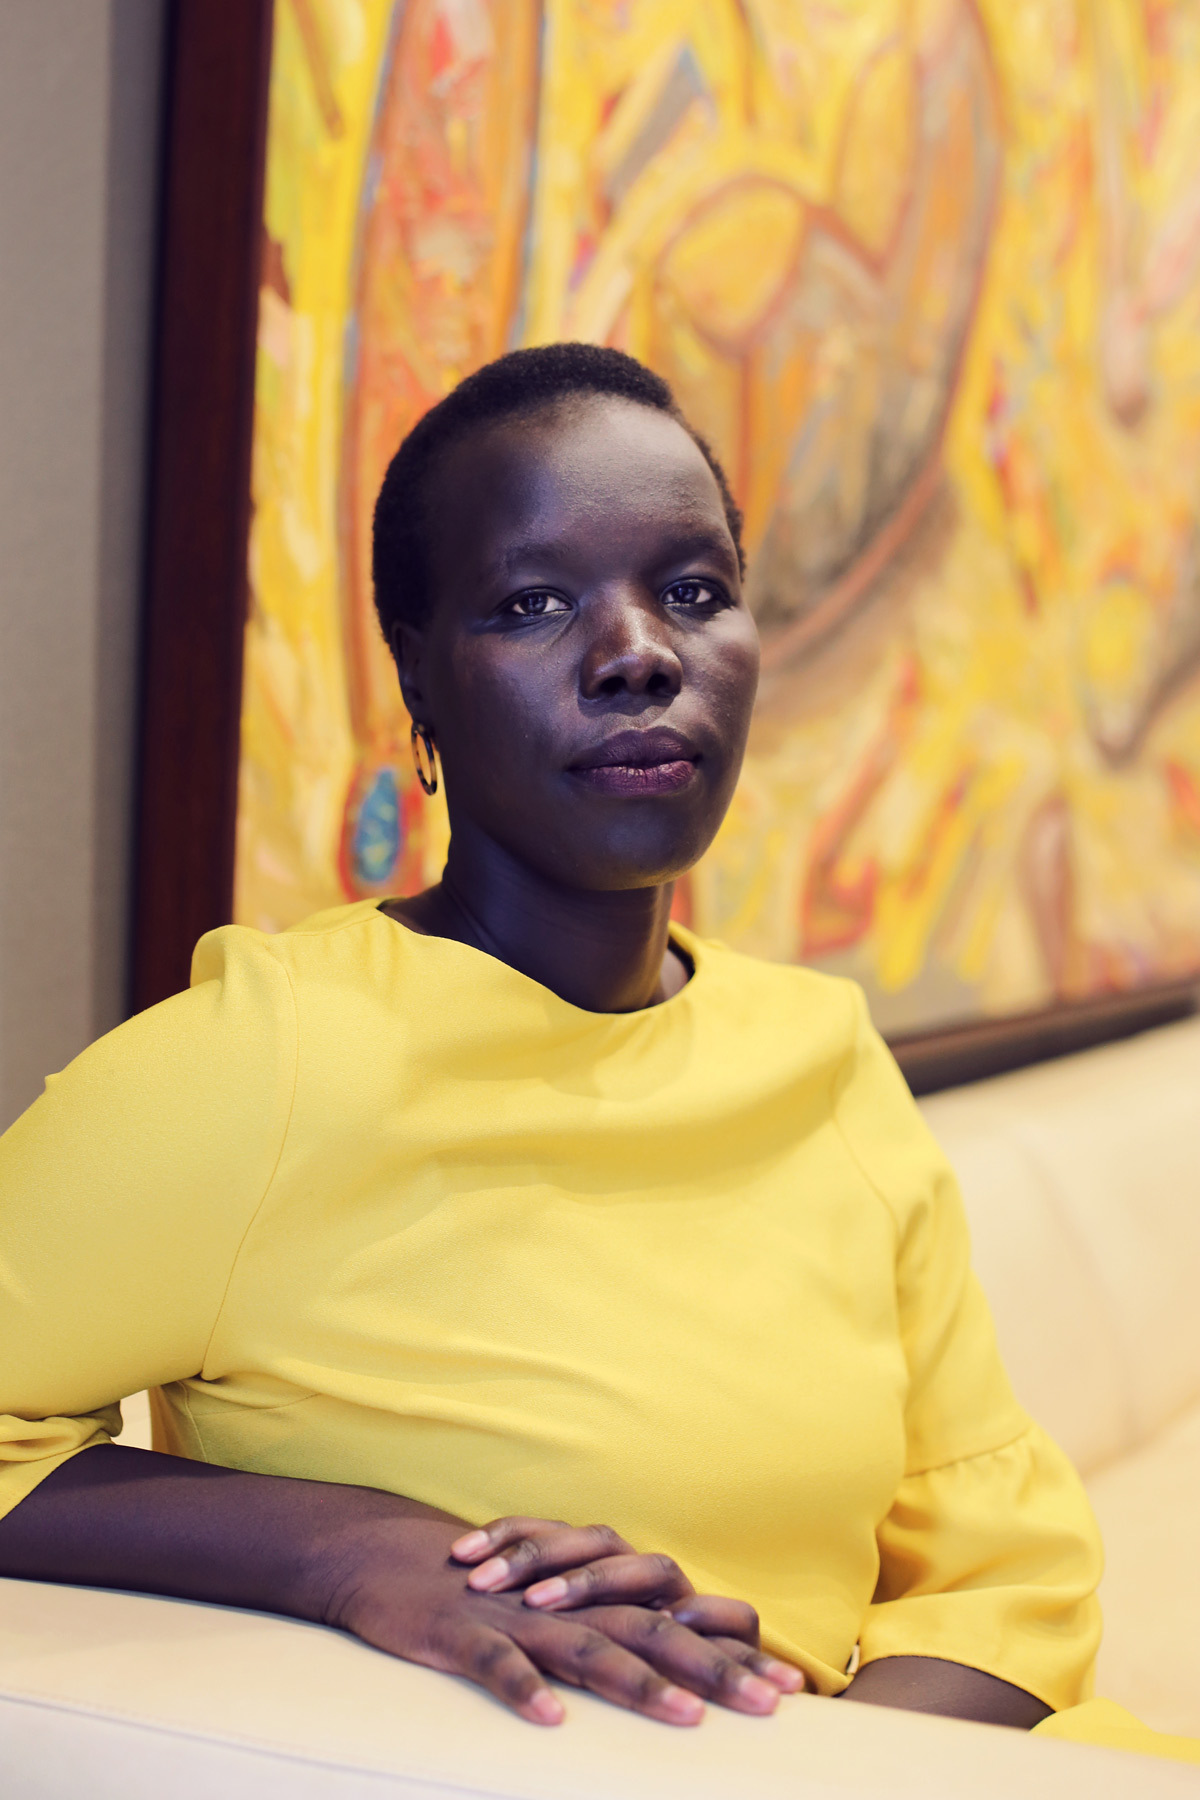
(544, 1598)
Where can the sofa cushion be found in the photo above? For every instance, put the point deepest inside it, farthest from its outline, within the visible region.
(1081, 1180)
(1148, 1506)
(135, 1430)
(1057, 1332)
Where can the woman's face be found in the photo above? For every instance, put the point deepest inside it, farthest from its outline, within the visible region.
(590, 666)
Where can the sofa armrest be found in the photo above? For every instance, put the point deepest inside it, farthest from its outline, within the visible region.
(124, 1697)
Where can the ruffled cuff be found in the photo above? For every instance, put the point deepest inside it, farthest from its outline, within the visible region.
(31, 1449)
(993, 1562)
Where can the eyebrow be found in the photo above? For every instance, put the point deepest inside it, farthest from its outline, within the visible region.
(558, 550)
(531, 550)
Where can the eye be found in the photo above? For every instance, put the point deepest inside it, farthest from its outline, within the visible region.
(693, 592)
(537, 604)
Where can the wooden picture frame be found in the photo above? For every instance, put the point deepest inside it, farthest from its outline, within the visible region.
(217, 76)
(214, 138)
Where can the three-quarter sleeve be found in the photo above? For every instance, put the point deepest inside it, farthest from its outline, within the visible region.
(125, 1191)
(989, 1555)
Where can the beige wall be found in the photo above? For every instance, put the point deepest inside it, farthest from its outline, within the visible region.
(79, 106)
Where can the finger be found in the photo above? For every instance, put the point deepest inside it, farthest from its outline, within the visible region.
(785, 1676)
(527, 1559)
(714, 1615)
(498, 1532)
(684, 1658)
(496, 1663)
(634, 1579)
(591, 1659)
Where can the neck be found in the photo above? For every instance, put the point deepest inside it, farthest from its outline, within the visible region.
(605, 952)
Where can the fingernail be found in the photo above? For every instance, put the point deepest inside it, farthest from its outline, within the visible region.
(489, 1574)
(681, 1705)
(471, 1544)
(783, 1675)
(546, 1707)
(759, 1693)
(544, 1593)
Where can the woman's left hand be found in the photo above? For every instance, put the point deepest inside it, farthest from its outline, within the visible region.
(563, 1567)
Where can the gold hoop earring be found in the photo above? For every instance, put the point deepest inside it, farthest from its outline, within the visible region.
(421, 735)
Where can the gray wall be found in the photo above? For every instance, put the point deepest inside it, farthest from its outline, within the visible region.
(79, 122)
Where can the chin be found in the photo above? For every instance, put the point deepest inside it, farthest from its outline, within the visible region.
(619, 861)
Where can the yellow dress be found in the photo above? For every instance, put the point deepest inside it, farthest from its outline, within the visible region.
(374, 1208)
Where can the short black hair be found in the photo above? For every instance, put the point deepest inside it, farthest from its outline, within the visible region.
(519, 383)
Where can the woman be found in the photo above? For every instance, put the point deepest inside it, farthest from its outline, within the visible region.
(513, 1199)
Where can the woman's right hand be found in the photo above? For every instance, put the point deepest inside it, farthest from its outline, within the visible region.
(398, 1586)
(563, 1567)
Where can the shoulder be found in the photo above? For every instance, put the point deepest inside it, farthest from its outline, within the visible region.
(869, 1100)
(224, 1049)
(242, 954)
(347, 970)
(883, 1129)
(824, 1012)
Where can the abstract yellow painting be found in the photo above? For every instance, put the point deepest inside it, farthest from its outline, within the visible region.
(927, 274)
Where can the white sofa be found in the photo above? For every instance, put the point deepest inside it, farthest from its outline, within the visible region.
(1082, 1179)
(1082, 1182)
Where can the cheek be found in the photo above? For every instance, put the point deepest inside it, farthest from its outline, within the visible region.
(497, 711)
(732, 676)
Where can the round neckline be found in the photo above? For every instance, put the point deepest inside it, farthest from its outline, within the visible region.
(683, 941)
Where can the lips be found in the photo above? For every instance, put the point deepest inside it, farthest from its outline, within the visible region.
(638, 764)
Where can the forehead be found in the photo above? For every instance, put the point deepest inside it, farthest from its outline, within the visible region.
(593, 463)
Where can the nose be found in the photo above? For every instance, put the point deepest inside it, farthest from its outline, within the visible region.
(629, 651)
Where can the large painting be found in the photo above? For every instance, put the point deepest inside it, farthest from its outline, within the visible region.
(927, 273)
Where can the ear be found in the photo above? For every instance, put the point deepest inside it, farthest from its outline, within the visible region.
(407, 645)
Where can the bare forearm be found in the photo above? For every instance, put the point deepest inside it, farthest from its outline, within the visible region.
(116, 1517)
(927, 1684)
(396, 1574)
